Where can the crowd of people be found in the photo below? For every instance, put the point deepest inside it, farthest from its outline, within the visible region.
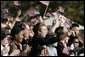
(34, 38)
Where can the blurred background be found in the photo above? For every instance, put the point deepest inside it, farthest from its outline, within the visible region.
(74, 10)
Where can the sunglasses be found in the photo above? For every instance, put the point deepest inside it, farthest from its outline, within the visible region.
(76, 42)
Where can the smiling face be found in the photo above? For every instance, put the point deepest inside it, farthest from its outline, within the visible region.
(26, 32)
(76, 42)
(76, 30)
(43, 31)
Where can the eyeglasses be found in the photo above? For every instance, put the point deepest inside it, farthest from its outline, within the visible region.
(76, 42)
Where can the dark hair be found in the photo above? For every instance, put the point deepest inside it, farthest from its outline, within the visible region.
(59, 30)
(74, 25)
(80, 43)
(19, 26)
(13, 11)
(35, 28)
(62, 36)
(3, 35)
(3, 20)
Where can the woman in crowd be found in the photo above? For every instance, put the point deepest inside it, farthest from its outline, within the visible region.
(42, 38)
(75, 47)
(62, 48)
(20, 38)
(5, 48)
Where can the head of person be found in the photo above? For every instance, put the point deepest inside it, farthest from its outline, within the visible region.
(13, 11)
(76, 42)
(5, 39)
(7, 23)
(20, 30)
(43, 31)
(59, 30)
(64, 37)
(75, 28)
(34, 19)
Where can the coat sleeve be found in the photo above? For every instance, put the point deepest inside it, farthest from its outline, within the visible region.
(47, 41)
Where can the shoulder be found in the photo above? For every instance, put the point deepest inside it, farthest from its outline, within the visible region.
(60, 44)
(13, 45)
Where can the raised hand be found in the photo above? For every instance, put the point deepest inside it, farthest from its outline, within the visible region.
(15, 52)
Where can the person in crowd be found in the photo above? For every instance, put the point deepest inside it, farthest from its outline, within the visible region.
(5, 48)
(20, 36)
(62, 48)
(59, 31)
(7, 22)
(41, 38)
(52, 50)
(76, 47)
(5, 25)
(74, 32)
